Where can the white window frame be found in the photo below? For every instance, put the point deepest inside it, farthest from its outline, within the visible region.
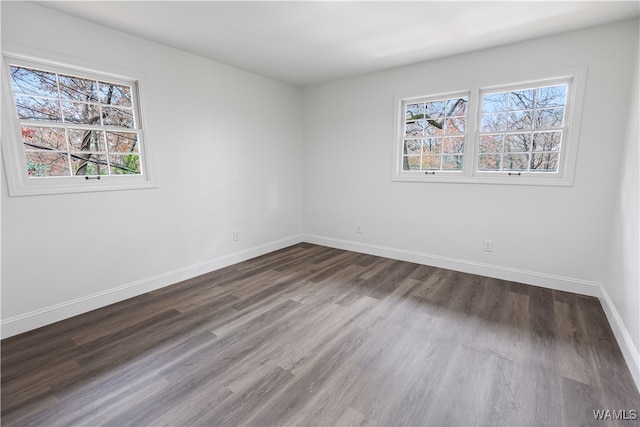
(18, 181)
(575, 76)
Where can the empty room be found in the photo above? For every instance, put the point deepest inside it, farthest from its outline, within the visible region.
(320, 213)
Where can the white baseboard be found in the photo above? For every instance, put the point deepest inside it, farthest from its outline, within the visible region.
(629, 351)
(35, 319)
(568, 284)
(560, 283)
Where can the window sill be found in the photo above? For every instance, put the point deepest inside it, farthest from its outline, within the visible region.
(80, 186)
(494, 179)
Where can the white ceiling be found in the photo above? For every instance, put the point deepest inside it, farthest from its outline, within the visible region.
(305, 42)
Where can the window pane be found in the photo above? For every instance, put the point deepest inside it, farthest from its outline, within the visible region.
(411, 163)
(452, 162)
(432, 145)
(86, 140)
(457, 107)
(431, 162)
(494, 102)
(125, 142)
(124, 164)
(455, 125)
(520, 120)
(434, 127)
(434, 109)
(89, 164)
(544, 162)
(31, 108)
(489, 162)
(517, 142)
(453, 145)
(414, 128)
(521, 99)
(117, 117)
(411, 146)
(77, 112)
(552, 96)
(515, 162)
(78, 89)
(47, 163)
(33, 82)
(491, 143)
(549, 118)
(414, 112)
(547, 141)
(494, 122)
(115, 94)
(43, 138)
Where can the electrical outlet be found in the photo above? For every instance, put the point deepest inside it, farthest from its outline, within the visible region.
(236, 236)
(488, 245)
(359, 228)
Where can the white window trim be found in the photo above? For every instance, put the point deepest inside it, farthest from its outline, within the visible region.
(18, 183)
(568, 155)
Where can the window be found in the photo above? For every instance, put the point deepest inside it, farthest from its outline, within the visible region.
(434, 133)
(521, 129)
(73, 129)
(515, 133)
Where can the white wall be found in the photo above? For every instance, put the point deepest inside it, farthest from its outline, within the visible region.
(226, 146)
(552, 236)
(622, 281)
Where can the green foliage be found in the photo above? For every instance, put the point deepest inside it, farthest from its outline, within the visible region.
(36, 169)
(96, 169)
(131, 164)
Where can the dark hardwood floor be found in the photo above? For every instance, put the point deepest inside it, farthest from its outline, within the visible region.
(310, 335)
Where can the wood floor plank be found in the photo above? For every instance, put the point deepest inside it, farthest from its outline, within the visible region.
(294, 397)
(315, 336)
(242, 406)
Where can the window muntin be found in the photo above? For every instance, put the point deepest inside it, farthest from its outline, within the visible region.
(434, 133)
(521, 130)
(74, 125)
